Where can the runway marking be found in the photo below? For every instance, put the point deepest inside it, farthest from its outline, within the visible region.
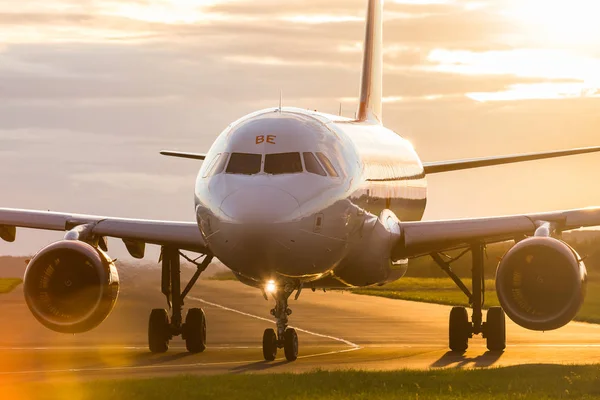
(56, 348)
(125, 367)
(442, 346)
(555, 345)
(353, 347)
(347, 342)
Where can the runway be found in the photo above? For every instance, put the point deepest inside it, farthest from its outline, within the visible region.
(336, 331)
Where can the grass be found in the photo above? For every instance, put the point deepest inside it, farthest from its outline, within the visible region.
(520, 382)
(8, 284)
(222, 276)
(444, 291)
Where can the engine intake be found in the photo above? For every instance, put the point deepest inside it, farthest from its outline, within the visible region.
(71, 286)
(541, 283)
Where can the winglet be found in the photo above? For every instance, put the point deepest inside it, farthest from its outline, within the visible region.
(193, 156)
(372, 70)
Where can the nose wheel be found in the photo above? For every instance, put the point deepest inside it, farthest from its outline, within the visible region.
(270, 344)
(289, 344)
(285, 337)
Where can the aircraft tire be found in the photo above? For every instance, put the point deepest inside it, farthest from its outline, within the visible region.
(269, 344)
(290, 344)
(458, 331)
(495, 329)
(158, 331)
(195, 330)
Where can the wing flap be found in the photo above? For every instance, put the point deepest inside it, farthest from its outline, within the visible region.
(457, 165)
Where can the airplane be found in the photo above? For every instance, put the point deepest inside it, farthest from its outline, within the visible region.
(292, 199)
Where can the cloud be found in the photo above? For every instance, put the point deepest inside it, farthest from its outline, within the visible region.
(519, 62)
(551, 91)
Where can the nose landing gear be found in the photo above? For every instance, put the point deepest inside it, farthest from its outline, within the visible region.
(285, 337)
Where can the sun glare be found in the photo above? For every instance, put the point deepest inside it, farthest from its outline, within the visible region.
(558, 22)
(567, 73)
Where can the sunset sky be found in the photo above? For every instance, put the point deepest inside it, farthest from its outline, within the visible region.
(91, 90)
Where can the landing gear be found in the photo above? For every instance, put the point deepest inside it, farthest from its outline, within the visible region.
(161, 328)
(158, 331)
(460, 328)
(285, 338)
(290, 344)
(195, 330)
(269, 344)
(495, 329)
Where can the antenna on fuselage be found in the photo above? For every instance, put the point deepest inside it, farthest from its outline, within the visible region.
(280, 99)
(340, 114)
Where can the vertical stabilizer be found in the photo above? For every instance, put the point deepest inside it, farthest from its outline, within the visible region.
(371, 81)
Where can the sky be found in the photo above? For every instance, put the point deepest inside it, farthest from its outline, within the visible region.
(92, 90)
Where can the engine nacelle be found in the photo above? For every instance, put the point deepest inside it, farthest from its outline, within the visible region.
(541, 283)
(70, 286)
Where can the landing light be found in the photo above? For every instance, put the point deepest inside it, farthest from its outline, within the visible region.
(270, 287)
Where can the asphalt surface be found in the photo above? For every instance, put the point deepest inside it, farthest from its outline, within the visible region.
(336, 331)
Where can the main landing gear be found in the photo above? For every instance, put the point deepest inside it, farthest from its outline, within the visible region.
(285, 337)
(161, 328)
(460, 328)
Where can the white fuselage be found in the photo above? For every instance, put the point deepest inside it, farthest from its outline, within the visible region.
(298, 195)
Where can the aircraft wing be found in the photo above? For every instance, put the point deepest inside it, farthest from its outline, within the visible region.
(457, 165)
(181, 154)
(426, 237)
(183, 235)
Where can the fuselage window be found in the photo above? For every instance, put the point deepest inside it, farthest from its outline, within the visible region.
(219, 165)
(312, 165)
(283, 163)
(327, 164)
(244, 163)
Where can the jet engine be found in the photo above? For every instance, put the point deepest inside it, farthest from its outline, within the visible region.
(71, 286)
(541, 283)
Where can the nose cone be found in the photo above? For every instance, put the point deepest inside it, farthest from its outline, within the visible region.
(259, 204)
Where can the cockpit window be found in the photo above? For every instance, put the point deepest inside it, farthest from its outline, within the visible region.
(244, 163)
(312, 165)
(219, 166)
(327, 164)
(211, 165)
(283, 163)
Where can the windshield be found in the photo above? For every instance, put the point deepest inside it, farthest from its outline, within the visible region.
(244, 163)
(312, 165)
(218, 165)
(283, 163)
(327, 164)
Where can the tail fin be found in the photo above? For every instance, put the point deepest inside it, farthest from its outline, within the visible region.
(371, 81)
